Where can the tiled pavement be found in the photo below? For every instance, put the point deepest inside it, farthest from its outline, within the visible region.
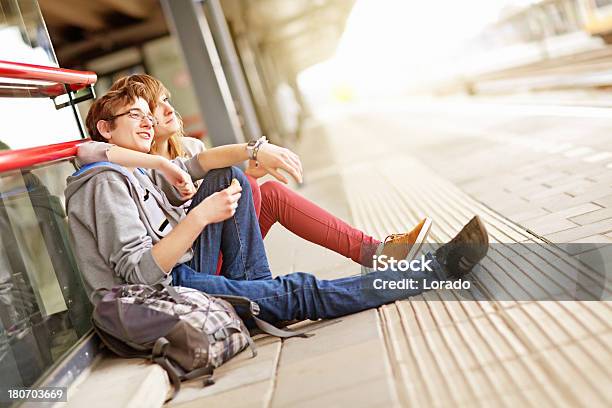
(439, 349)
(550, 172)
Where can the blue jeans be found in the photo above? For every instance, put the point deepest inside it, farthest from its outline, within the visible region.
(294, 296)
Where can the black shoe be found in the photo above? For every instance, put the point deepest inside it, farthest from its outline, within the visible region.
(464, 251)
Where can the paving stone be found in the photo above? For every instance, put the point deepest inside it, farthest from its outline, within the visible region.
(334, 366)
(548, 225)
(371, 393)
(539, 397)
(240, 374)
(508, 333)
(408, 379)
(598, 348)
(545, 192)
(547, 322)
(119, 382)
(594, 216)
(595, 239)
(499, 346)
(551, 201)
(592, 368)
(590, 317)
(482, 385)
(557, 221)
(460, 348)
(574, 234)
(564, 202)
(604, 201)
(530, 329)
(477, 344)
(439, 311)
(526, 214)
(562, 368)
(247, 396)
(520, 374)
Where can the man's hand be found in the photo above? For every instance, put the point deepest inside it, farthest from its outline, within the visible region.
(272, 158)
(221, 205)
(180, 179)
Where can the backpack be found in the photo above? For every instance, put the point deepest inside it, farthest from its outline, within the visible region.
(187, 332)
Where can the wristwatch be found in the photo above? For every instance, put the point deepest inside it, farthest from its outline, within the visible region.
(253, 147)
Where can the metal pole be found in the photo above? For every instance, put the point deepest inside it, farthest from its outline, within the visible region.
(232, 68)
(187, 22)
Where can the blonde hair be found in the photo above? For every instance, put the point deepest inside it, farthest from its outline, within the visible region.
(154, 89)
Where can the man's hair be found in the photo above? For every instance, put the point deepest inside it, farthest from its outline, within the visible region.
(109, 104)
(154, 89)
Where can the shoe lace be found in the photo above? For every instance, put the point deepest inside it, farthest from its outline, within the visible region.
(392, 237)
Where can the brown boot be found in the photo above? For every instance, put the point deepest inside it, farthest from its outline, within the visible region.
(405, 246)
(464, 251)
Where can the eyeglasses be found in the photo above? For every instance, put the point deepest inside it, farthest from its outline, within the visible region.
(136, 114)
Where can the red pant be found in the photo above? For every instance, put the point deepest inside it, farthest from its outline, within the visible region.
(276, 203)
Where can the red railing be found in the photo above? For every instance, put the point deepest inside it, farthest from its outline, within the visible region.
(17, 159)
(73, 79)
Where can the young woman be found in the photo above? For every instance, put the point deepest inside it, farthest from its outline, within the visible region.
(273, 201)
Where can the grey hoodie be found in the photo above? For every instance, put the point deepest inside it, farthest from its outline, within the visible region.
(115, 218)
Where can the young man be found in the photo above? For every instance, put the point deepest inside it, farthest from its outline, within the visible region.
(125, 230)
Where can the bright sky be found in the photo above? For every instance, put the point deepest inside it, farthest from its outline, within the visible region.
(390, 43)
(34, 121)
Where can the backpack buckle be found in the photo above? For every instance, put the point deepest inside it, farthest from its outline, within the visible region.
(254, 308)
(220, 334)
(160, 346)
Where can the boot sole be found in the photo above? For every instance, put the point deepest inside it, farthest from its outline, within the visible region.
(420, 239)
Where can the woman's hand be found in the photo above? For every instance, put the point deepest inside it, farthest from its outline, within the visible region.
(179, 178)
(272, 158)
(221, 205)
(255, 170)
(186, 190)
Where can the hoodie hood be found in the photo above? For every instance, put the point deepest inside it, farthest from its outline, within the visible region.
(115, 218)
(78, 179)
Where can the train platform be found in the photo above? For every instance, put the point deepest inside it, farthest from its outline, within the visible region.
(537, 180)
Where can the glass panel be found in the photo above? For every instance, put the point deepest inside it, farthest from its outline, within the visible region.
(33, 121)
(43, 306)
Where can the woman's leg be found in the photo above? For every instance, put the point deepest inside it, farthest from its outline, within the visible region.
(311, 222)
(256, 190)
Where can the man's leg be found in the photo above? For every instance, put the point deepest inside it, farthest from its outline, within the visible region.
(302, 296)
(238, 237)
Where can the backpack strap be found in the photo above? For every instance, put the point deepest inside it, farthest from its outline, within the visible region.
(253, 311)
(205, 372)
(173, 293)
(100, 291)
(173, 374)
